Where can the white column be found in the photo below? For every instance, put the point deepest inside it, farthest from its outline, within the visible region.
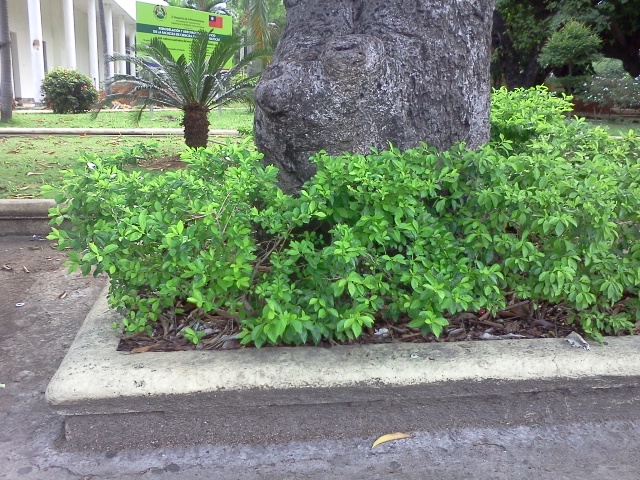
(92, 24)
(35, 37)
(122, 44)
(132, 44)
(108, 20)
(69, 33)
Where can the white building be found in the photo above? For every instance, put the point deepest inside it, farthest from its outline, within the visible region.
(46, 34)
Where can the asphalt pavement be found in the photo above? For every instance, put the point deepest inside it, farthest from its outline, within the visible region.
(42, 307)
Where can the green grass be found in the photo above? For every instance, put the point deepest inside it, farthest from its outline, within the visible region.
(228, 119)
(28, 163)
(617, 126)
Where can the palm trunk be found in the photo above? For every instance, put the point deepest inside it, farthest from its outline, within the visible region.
(196, 126)
(6, 87)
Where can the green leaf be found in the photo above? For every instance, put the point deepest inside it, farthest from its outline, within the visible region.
(109, 249)
(356, 328)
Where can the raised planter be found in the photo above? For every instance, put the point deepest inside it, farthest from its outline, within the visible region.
(25, 216)
(114, 400)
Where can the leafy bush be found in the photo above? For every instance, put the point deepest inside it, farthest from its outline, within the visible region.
(611, 86)
(521, 114)
(68, 91)
(416, 234)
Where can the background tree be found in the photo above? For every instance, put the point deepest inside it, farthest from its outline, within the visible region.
(213, 6)
(571, 50)
(6, 86)
(522, 27)
(194, 85)
(348, 75)
(574, 45)
(260, 20)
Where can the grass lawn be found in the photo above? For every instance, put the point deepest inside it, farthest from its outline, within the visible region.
(617, 126)
(228, 119)
(29, 162)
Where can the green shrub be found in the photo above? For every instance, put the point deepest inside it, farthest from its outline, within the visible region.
(521, 114)
(417, 234)
(68, 91)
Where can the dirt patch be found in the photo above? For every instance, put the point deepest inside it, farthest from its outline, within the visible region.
(172, 162)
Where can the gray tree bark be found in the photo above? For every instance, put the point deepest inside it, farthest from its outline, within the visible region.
(6, 86)
(351, 74)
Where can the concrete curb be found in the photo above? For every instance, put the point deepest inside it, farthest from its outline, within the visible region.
(106, 131)
(300, 393)
(25, 216)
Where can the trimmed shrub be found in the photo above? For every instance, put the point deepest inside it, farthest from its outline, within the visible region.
(68, 91)
(417, 235)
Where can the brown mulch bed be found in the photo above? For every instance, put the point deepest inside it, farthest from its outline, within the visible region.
(519, 320)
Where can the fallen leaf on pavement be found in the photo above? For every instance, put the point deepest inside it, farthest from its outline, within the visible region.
(577, 341)
(389, 437)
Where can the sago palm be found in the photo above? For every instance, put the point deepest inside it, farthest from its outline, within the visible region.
(194, 85)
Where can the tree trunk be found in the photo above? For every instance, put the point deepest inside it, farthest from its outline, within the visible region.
(348, 75)
(6, 87)
(516, 72)
(196, 126)
(625, 48)
(105, 48)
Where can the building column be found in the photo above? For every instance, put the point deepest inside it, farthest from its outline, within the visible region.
(108, 20)
(132, 45)
(92, 24)
(122, 44)
(69, 33)
(37, 57)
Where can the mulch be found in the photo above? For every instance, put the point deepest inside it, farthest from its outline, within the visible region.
(519, 320)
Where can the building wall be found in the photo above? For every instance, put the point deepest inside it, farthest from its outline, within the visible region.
(23, 47)
(53, 34)
(82, 41)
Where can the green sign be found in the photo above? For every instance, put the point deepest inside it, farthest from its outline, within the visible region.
(176, 26)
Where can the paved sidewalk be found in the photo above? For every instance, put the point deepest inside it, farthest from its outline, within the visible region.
(35, 337)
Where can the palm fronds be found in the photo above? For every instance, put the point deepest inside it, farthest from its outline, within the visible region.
(200, 82)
